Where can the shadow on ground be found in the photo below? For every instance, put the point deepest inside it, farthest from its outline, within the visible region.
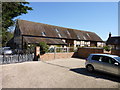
(96, 74)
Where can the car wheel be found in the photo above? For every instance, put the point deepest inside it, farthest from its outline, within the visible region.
(90, 68)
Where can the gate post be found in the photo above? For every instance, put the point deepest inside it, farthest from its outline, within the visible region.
(3, 58)
(37, 53)
(54, 52)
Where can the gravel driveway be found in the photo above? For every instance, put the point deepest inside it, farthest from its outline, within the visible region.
(60, 73)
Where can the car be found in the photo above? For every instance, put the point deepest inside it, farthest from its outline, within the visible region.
(6, 50)
(0, 51)
(103, 62)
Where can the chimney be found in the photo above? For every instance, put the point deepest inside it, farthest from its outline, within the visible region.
(110, 34)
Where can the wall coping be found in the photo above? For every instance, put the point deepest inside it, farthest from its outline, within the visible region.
(59, 53)
(91, 47)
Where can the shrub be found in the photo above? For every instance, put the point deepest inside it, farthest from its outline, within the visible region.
(107, 48)
(43, 47)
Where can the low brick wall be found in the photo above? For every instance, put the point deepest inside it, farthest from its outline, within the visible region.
(115, 52)
(52, 56)
(84, 52)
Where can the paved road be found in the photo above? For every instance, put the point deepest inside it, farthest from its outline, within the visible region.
(64, 73)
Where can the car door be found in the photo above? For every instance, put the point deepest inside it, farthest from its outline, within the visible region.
(96, 62)
(114, 65)
(109, 65)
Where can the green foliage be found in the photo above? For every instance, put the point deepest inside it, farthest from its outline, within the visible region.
(10, 10)
(29, 47)
(58, 45)
(107, 48)
(43, 47)
(6, 36)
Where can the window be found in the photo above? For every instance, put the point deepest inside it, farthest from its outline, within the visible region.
(68, 32)
(43, 34)
(96, 57)
(88, 35)
(78, 37)
(59, 35)
(56, 30)
(112, 61)
(77, 45)
(84, 37)
(105, 59)
(108, 60)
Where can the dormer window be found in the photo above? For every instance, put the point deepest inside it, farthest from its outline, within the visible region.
(88, 35)
(43, 34)
(78, 37)
(56, 30)
(68, 32)
(84, 37)
(59, 35)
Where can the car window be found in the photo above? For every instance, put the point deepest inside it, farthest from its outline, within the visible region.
(96, 57)
(111, 61)
(118, 59)
(108, 60)
(105, 59)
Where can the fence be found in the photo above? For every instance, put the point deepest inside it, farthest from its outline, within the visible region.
(23, 56)
(17, 58)
(7, 59)
(62, 49)
(59, 53)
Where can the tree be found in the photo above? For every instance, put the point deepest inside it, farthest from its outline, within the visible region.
(43, 47)
(10, 10)
(6, 36)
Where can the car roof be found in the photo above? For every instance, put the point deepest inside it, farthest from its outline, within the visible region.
(6, 47)
(106, 55)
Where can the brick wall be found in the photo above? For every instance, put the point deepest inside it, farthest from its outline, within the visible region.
(84, 52)
(52, 56)
(115, 52)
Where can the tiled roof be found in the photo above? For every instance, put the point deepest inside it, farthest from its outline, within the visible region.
(113, 40)
(47, 40)
(51, 31)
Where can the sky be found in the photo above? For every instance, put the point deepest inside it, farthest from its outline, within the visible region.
(98, 17)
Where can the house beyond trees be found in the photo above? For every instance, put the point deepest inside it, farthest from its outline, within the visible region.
(27, 32)
(114, 41)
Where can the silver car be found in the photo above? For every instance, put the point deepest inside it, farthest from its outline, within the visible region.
(103, 62)
(6, 50)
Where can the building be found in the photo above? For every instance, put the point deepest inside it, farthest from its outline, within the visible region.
(113, 41)
(33, 33)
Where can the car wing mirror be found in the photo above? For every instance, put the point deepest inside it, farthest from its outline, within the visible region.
(116, 63)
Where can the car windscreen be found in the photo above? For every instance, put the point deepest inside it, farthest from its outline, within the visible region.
(118, 58)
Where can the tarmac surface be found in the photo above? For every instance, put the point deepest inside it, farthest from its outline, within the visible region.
(60, 73)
